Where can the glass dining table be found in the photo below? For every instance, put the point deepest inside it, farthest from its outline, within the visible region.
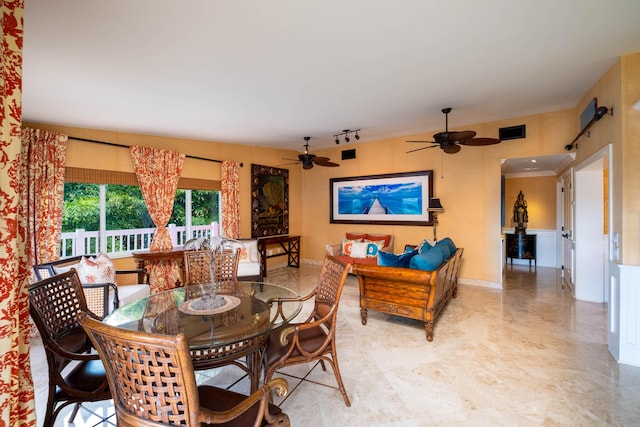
(220, 332)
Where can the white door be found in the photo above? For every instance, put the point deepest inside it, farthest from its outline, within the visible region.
(568, 241)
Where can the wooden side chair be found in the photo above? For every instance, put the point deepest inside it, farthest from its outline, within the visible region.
(75, 375)
(225, 270)
(315, 338)
(154, 383)
(197, 266)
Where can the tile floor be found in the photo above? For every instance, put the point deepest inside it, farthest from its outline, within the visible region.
(527, 355)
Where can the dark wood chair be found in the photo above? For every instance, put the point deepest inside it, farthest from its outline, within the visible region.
(75, 375)
(102, 298)
(315, 338)
(154, 383)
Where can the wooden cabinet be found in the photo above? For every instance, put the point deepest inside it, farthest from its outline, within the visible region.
(521, 246)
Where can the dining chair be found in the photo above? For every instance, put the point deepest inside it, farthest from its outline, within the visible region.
(75, 374)
(314, 339)
(225, 269)
(154, 383)
(197, 266)
(220, 265)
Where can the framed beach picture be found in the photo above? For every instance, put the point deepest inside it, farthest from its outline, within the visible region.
(398, 199)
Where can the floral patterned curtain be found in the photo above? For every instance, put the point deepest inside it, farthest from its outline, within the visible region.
(231, 199)
(17, 404)
(158, 172)
(42, 193)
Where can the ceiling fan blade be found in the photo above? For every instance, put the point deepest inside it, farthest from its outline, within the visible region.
(423, 148)
(324, 161)
(477, 142)
(461, 136)
(451, 148)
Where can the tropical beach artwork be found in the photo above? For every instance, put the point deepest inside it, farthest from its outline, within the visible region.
(390, 199)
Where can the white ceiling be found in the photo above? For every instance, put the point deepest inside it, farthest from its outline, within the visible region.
(270, 72)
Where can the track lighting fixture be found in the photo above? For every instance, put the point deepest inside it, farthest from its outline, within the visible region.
(599, 113)
(346, 133)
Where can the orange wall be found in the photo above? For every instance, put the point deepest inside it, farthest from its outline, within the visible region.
(467, 183)
(96, 156)
(540, 195)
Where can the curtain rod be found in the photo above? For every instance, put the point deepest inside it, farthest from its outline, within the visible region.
(126, 146)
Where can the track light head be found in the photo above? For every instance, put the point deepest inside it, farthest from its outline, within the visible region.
(568, 147)
(357, 136)
(337, 140)
(346, 138)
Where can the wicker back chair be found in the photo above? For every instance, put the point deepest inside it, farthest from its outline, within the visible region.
(96, 294)
(53, 304)
(154, 383)
(197, 266)
(225, 265)
(313, 339)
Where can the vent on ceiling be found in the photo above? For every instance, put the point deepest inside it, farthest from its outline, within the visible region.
(513, 132)
(349, 154)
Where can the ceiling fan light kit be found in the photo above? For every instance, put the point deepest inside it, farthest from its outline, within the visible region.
(450, 141)
(346, 133)
(308, 160)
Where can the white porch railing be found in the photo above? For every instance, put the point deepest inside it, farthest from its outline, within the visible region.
(121, 243)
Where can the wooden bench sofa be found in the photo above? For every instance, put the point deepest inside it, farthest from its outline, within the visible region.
(408, 292)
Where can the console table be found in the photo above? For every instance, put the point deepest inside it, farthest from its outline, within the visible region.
(290, 245)
(145, 258)
(521, 246)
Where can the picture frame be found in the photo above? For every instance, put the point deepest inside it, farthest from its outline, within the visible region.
(392, 199)
(269, 201)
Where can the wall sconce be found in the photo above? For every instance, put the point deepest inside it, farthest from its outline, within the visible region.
(435, 207)
(346, 133)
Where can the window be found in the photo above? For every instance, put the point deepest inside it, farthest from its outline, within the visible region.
(113, 218)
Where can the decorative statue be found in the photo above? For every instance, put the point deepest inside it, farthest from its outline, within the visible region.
(520, 215)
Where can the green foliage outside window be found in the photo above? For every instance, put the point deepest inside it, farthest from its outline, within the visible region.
(125, 208)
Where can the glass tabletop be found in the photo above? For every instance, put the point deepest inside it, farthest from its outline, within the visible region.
(245, 313)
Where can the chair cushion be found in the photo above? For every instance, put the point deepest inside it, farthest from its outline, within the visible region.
(219, 399)
(130, 293)
(248, 269)
(310, 340)
(87, 375)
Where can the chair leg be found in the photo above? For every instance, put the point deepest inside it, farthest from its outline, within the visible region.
(76, 408)
(336, 372)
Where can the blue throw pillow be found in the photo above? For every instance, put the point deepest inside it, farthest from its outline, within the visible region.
(387, 259)
(444, 247)
(450, 243)
(425, 245)
(429, 260)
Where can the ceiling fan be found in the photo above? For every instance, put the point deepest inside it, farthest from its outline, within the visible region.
(308, 160)
(450, 142)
